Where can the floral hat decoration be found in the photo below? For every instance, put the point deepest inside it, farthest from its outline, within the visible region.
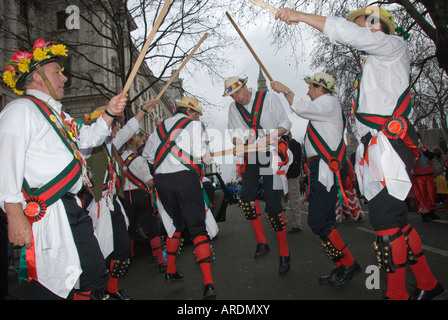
(232, 85)
(324, 80)
(23, 63)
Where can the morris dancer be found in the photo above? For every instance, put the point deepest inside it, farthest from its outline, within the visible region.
(137, 197)
(42, 170)
(259, 116)
(176, 148)
(388, 140)
(325, 149)
(108, 215)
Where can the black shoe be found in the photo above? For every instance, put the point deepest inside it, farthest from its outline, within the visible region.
(285, 264)
(173, 277)
(345, 274)
(428, 295)
(119, 295)
(331, 277)
(209, 292)
(162, 267)
(262, 249)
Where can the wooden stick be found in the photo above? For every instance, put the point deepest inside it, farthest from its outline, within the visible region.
(246, 148)
(265, 6)
(148, 41)
(268, 7)
(249, 47)
(180, 68)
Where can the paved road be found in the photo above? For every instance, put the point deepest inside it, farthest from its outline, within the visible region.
(238, 276)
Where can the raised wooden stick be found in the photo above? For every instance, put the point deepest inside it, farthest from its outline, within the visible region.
(265, 6)
(148, 41)
(181, 66)
(246, 148)
(268, 7)
(249, 47)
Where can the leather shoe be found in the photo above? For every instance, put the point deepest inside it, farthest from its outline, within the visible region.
(345, 274)
(173, 277)
(119, 295)
(209, 292)
(285, 264)
(262, 249)
(430, 294)
(331, 277)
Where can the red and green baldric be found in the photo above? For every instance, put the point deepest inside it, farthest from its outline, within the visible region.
(38, 200)
(135, 180)
(335, 159)
(168, 146)
(394, 126)
(253, 119)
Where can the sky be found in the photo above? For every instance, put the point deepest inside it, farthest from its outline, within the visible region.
(278, 64)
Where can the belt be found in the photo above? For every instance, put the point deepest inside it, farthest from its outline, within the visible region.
(313, 158)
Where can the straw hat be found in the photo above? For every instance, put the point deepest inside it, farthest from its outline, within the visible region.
(190, 102)
(376, 11)
(23, 63)
(323, 79)
(232, 85)
(91, 118)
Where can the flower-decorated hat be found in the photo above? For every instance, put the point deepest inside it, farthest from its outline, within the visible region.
(381, 13)
(232, 85)
(324, 80)
(23, 63)
(91, 118)
(137, 140)
(190, 102)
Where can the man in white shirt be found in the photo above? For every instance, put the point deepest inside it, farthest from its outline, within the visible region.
(381, 108)
(106, 210)
(324, 135)
(41, 173)
(259, 117)
(176, 148)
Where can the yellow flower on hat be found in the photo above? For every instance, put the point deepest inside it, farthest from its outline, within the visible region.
(7, 77)
(58, 49)
(40, 54)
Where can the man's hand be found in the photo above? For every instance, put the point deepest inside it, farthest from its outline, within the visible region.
(151, 104)
(117, 104)
(289, 16)
(19, 228)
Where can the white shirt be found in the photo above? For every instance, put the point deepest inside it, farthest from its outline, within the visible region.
(385, 72)
(191, 140)
(273, 115)
(31, 148)
(139, 168)
(326, 115)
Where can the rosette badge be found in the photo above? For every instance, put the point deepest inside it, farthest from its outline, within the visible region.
(23, 63)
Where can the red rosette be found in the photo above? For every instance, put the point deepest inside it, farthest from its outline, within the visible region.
(394, 127)
(334, 164)
(35, 208)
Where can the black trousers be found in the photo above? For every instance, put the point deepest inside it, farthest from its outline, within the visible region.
(258, 165)
(122, 240)
(321, 214)
(93, 276)
(181, 196)
(138, 207)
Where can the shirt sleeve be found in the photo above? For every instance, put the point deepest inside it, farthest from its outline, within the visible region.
(320, 109)
(93, 135)
(277, 110)
(124, 134)
(378, 43)
(16, 130)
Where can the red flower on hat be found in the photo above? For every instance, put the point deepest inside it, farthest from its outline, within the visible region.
(40, 43)
(21, 55)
